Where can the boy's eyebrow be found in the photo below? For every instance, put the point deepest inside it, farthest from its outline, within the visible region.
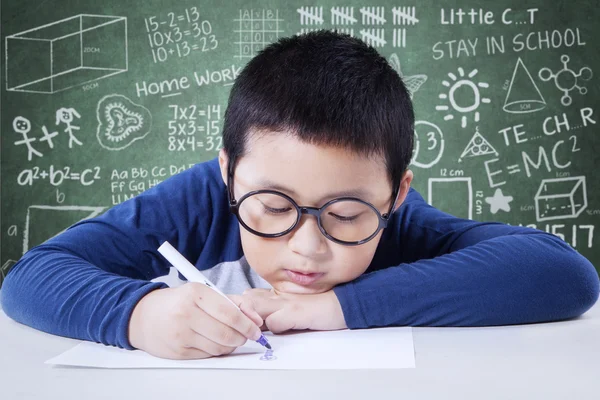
(358, 192)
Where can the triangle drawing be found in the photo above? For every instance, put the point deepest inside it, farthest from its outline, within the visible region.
(477, 146)
(523, 95)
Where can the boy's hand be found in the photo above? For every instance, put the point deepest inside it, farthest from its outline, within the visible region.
(188, 322)
(284, 311)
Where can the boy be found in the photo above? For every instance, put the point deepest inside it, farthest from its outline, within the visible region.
(306, 218)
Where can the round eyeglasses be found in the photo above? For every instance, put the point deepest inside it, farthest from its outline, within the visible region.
(345, 220)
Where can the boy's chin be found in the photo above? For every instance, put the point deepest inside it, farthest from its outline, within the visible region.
(294, 288)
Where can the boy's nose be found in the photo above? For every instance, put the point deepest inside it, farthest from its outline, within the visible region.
(306, 238)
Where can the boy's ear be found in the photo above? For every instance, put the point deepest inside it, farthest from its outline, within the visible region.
(223, 163)
(404, 187)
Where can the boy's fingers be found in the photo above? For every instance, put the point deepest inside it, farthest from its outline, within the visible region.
(222, 310)
(237, 299)
(190, 354)
(202, 343)
(203, 323)
(280, 321)
(258, 291)
(263, 305)
(247, 308)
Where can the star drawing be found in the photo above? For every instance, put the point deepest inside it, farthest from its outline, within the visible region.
(499, 202)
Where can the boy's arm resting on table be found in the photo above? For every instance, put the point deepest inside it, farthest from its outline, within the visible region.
(85, 282)
(62, 294)
(446, 271)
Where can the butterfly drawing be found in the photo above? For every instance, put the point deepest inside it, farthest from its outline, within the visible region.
(413, 82)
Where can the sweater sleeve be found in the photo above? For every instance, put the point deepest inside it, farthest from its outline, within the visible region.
(85, 282)
(434, 269)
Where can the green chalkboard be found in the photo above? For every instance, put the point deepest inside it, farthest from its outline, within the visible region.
(102, 100)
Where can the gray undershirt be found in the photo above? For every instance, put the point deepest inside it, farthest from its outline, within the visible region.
(231, 277)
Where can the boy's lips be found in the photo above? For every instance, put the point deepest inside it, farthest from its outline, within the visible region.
(303, 279)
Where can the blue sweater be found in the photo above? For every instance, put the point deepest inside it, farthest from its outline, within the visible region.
(429, 269)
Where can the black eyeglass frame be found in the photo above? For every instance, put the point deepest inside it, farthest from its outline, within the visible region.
(316, 211)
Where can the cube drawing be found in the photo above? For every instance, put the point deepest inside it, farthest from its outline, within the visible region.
(561, 198)
(66, 53)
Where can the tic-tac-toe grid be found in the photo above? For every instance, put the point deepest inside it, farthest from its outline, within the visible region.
(257, 28)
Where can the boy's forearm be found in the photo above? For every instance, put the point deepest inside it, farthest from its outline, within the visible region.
(511, 279)
(59, 293)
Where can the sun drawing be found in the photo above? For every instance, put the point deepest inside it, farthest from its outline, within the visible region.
(470, 96)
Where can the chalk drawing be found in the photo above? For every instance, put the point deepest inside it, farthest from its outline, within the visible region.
(412, 82)
(477, 146)
(430, 155)
(38, 216)
(473, 95)
(22, 126)
(311, 15)
(450, 188)
(523, 95)
(560, 198)
(499, 201)
(121, 122)
(566, 79)
(79, 49)
(342, 16)
(67, 116)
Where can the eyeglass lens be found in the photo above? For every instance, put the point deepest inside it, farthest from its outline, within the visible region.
(345, 220)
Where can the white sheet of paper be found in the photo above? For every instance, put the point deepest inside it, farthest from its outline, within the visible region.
(379, 348)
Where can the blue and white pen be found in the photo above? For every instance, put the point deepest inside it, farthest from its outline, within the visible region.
(192, 274)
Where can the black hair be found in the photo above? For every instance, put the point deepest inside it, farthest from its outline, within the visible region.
(324, 88)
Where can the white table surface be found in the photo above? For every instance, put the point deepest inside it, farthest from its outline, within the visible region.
(559, 360)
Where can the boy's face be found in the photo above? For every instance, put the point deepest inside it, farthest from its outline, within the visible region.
(304, 261)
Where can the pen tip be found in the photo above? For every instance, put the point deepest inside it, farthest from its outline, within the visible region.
(264, 342)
